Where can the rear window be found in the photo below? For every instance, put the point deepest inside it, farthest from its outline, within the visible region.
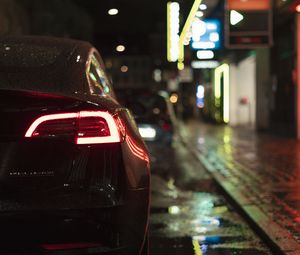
(27, 55)
(144, 103)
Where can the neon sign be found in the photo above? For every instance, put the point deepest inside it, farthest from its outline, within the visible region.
(206, 34)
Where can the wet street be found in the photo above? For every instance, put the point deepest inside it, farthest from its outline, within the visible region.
(189, 215)
(189, 110)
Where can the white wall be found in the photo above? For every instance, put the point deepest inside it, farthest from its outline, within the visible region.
(243, 84)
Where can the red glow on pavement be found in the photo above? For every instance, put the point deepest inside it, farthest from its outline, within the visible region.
(68, 246)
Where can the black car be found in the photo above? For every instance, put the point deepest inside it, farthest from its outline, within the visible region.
(74, 170)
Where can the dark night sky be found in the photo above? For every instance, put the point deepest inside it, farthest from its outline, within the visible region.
(136, 24)
(140, 24)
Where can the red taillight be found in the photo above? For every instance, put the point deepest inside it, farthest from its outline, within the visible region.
(87, 127)
(166, 126)
(97, 127)
(48, 124)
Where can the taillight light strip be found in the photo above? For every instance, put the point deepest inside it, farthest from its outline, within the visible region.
(111, 122)
(136, 150)
(112, 138)
(114, 133)
(45, 118)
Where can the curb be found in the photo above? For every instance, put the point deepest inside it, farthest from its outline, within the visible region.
(277, 238)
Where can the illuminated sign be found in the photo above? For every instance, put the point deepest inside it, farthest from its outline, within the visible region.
(200, 96)
(222, 89)
(172, 31)
(205, 64)
(249, 5)
(176, 40)
(185, 31)
(235, 17)
(248, 24)
(248, 29)
(206, 34)
(205, 54)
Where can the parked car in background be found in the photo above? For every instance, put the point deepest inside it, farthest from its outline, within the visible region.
(156, 121)
(74, 170)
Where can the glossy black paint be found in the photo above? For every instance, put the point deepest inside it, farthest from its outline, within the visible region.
(64, 192)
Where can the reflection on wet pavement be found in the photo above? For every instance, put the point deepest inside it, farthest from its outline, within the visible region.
(188, 216)
(259, 171)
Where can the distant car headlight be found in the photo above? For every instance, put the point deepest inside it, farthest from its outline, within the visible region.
(148, 133)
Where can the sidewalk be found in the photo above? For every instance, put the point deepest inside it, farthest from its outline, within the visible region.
(259, 172)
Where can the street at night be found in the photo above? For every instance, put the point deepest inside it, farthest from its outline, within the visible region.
(149, 127)
(190, 215)
(219, 176)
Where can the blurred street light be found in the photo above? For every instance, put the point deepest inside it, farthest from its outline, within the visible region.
(124, 69)
(202, 7)
(120, 48)
(113, 11)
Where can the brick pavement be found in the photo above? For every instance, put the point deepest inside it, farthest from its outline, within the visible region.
(260, 172)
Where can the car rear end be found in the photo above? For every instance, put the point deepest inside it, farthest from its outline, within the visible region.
(66, 172)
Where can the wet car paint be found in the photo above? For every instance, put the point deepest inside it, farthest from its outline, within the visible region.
(66, 189)
(190, 216)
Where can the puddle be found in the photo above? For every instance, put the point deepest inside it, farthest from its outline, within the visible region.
(189, 246)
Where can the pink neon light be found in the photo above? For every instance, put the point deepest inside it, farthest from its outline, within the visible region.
(112, 138)
(45, 118)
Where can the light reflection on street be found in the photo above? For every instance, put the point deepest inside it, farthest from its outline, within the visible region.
(189, 217)
(174, 209)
